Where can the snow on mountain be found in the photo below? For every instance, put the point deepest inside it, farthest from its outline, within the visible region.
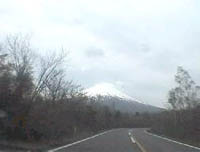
(107, 89)
(122, 101)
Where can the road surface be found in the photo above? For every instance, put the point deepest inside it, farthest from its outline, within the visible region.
(119, 140)
(155, 144)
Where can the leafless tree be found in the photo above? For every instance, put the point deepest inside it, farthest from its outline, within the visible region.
(50, 68)
(21, 56)
(21, 53)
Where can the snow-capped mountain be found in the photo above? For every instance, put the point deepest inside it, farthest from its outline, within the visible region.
(108, 89)
(116, 99)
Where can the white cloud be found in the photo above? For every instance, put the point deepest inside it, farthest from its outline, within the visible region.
(142, 40)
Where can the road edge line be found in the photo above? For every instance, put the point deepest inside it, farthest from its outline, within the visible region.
(165, 138)
(77, 142)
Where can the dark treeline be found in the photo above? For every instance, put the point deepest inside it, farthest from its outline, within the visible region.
(182, 120)
(37, 102)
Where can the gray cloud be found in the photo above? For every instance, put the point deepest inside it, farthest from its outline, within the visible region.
(93, 52)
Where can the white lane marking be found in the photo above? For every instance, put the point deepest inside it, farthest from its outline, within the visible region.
(172, 140)
(131, 137)
(133, 140)
(140, 146)
(77, 142)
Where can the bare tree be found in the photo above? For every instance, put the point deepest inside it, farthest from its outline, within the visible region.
(50, 68)
(20, 52)
(58, 89)
(21, 56)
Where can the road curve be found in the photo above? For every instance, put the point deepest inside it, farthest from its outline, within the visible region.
(119, 140)
(155, 144)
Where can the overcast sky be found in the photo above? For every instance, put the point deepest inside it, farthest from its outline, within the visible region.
(134, 44)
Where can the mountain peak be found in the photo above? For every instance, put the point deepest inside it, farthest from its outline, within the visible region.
(122, 102)
(107, 89)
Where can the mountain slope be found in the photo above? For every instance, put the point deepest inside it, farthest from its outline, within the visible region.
(107, 89)
(108, 95)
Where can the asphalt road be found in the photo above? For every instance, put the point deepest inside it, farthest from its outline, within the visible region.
(154, 144)
(113, 141)
(119, 141)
